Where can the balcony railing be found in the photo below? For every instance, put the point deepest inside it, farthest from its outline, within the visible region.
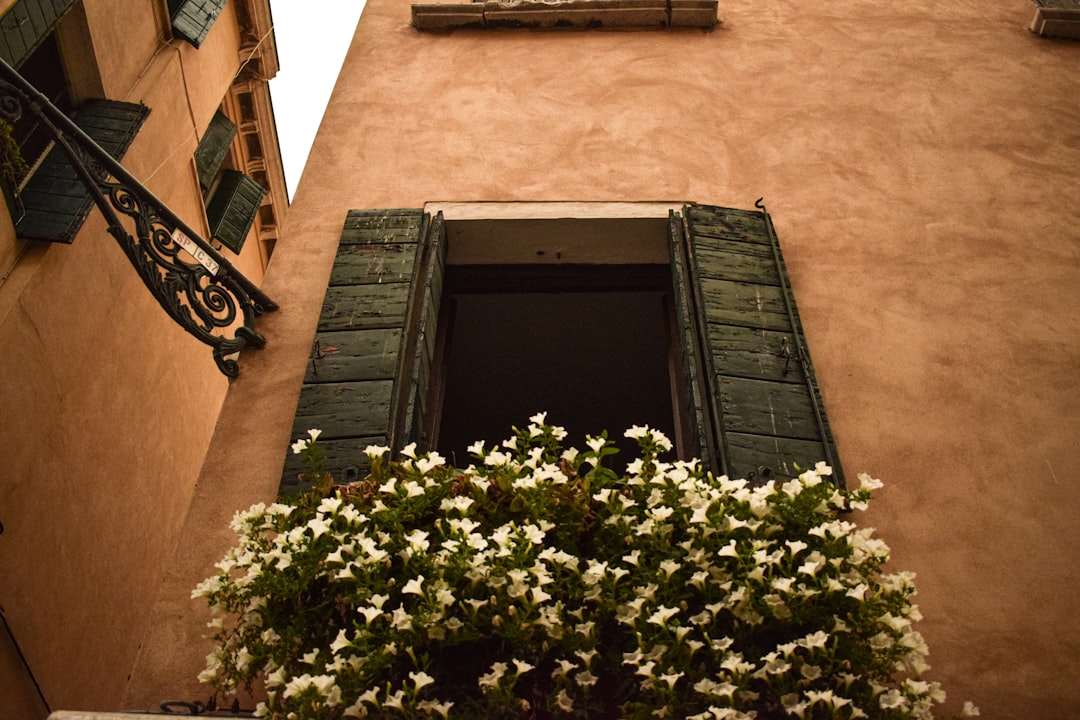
(195, 284)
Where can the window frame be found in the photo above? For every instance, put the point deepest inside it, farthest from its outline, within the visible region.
(750, 420)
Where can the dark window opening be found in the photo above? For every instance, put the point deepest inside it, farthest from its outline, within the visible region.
(254, 146)
(247, 106)
(44, 70)
(589, 345)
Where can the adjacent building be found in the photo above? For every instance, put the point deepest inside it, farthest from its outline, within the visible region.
(107, 404)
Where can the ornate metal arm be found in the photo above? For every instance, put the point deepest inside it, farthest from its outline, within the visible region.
(197, 286)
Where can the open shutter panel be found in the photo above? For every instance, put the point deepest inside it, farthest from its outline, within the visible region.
(352, 378)
(192, 19)
(26, 24)
(764, 402)
(213, 147)
(233, 207)
(55, 201)
(421, 333)
(696, 429)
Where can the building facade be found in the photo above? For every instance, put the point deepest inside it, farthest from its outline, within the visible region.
(919, 166)
(108, 404)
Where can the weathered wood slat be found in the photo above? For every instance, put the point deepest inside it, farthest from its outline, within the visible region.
(727, 224)
(755, 353)
(376, 234)
(352, 409)
(391, 217)
(354, 307)
(373, 263)
(786, 457)
(345, 461)
(739, 261)
(355, 355)
(744, 304)
(767, 408)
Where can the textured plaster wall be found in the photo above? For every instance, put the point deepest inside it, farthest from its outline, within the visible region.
(921, 164)
(106, 405)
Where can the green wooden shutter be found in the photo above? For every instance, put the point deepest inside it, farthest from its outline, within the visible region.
(370, 346)
(192, 19)
(233, 207)
(26, 25)
(213, 148)
(55, 201)
(763, 413)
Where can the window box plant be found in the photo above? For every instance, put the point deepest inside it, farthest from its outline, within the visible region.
(539, 583)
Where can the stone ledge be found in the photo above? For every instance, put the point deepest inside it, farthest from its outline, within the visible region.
(568, 14)
(1057, 18)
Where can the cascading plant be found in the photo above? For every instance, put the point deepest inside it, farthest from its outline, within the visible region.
(539, 583)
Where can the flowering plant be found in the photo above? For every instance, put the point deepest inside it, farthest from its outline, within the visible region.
(540, 583)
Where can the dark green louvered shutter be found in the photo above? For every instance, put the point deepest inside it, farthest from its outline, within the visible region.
(192, 19)
(26, 25)
(213, 148)
(366, 382)
(232, 208)
(55, 202)
(752, 382)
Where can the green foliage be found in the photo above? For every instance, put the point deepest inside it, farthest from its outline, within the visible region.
(540, 583)
(12, 164)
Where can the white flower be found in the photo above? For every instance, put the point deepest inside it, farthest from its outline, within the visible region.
(815, 640)
(477, 448)
(421, 679)
(868, 483)
(429, 463)
(491, 679)
(566, 704)
(662, 615)
(497, 458)
(728, 550)
(596, 444)
(969, 709)
(409, 450)
(671, 679)
(340, 642)
(442, 709)
(414, 586)
(402, 620)
(539, 418)
(522, 667)
(299, 446)
(314, 434)
(318, 526)
(376, 451)
(370, 613)
(585, 678)
(395, 701)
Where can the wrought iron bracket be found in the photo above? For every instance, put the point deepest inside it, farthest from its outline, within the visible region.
(195, 284)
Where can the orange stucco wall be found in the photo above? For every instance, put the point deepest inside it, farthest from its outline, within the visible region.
(106, 405)
(922, 163)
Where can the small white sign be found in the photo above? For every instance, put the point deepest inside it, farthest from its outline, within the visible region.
(195, 251)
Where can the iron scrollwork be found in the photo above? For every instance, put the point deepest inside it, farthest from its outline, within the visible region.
(197, 286)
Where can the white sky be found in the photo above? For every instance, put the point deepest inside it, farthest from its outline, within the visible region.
(312, 38)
